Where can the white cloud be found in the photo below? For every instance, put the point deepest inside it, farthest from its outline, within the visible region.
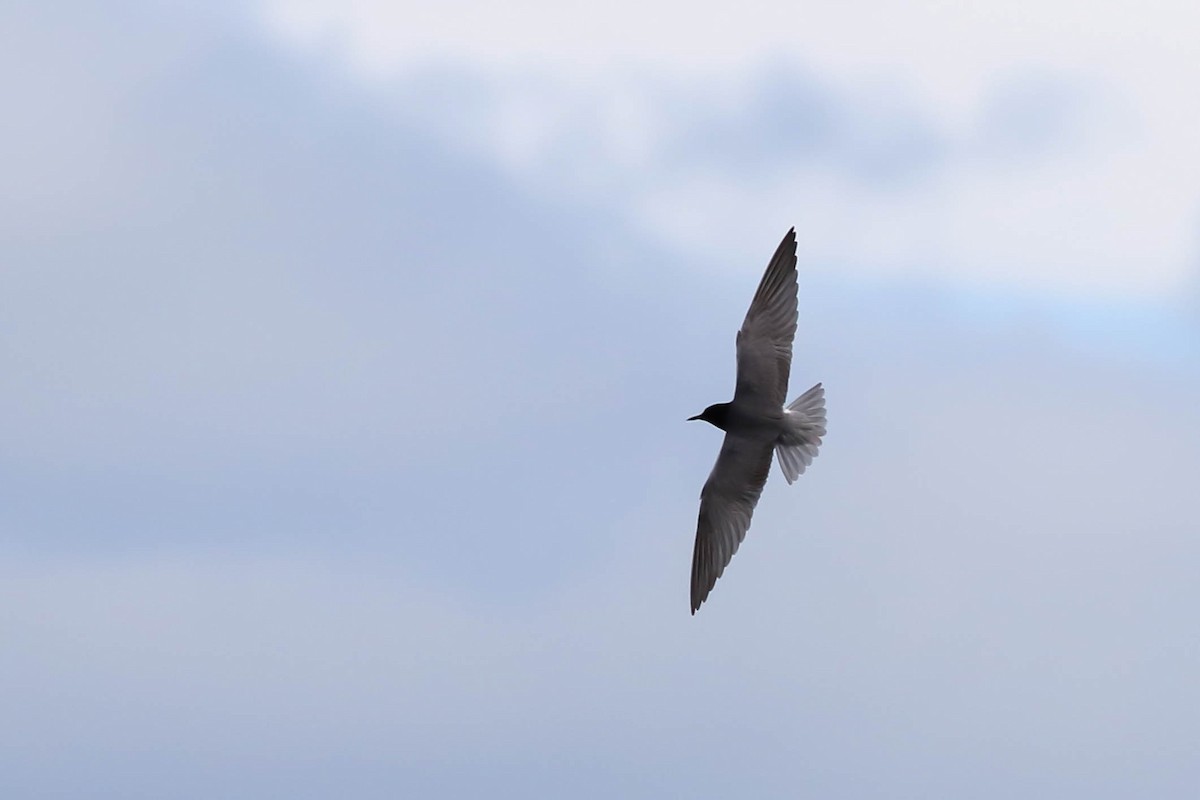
(1110, 208)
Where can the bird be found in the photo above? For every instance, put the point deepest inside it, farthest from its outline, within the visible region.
(756, 422)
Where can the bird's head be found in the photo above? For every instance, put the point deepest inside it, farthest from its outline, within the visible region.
(715, 414)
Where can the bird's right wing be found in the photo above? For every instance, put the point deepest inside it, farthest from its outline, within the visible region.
(764, 343)
(726, 504)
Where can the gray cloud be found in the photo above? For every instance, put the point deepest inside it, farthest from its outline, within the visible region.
(1035, 116)
(788, 118)
(314, 324)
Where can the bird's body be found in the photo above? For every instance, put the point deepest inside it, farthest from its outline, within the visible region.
(757, 425)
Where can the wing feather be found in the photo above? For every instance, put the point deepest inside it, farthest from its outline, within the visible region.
(726, 505)
(764, 343)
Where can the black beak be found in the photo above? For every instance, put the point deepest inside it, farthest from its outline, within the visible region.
(698, 416)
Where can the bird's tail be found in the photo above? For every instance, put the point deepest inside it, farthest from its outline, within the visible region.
(804, 425)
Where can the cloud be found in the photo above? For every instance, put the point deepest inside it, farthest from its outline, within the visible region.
(978, 577)
(1018, 195)
(782, 120)
(313, 325)
(947, 144)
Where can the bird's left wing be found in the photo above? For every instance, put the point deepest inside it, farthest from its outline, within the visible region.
(764, 344)
(726, 504)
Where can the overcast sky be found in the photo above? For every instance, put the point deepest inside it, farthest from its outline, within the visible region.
(345, 352)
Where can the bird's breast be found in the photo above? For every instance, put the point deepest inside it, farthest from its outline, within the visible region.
(759, 424)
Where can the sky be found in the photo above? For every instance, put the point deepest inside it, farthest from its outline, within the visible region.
(346, 348)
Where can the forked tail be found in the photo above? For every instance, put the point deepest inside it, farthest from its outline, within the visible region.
(804, 425)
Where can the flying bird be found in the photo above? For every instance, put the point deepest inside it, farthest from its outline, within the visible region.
(756, 423)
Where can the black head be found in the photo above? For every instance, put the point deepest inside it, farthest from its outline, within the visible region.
(716, 415)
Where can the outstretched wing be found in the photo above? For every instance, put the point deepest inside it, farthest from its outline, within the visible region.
(726, 504)
(764, 344)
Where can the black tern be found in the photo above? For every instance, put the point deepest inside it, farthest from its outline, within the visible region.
(756, 423)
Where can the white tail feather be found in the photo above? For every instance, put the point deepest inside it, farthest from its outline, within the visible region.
(804, 425)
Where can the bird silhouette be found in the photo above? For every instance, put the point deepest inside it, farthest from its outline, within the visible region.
(756, 423)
